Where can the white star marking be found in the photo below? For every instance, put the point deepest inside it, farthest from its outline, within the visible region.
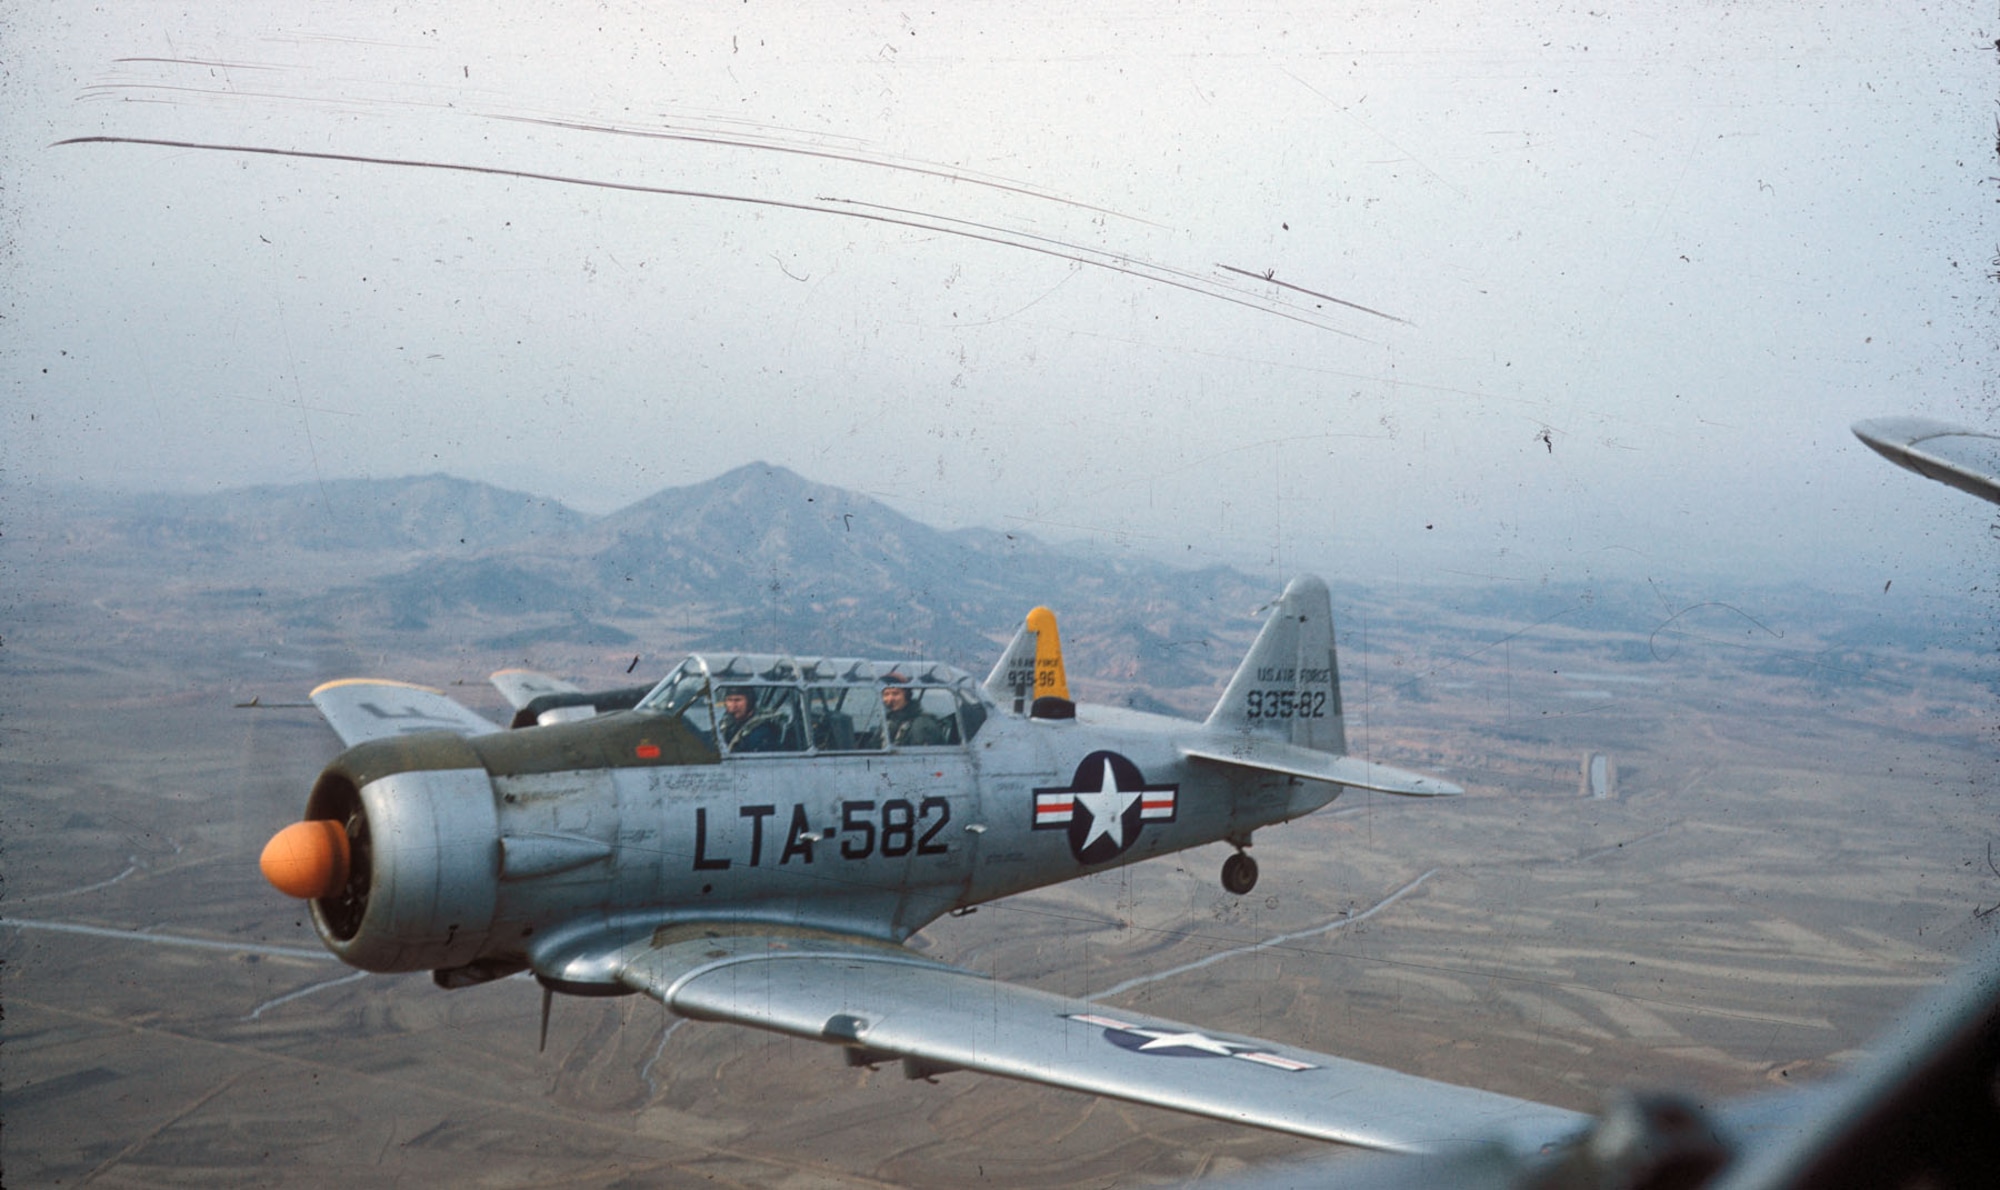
(1107, 809)
(1193, 1041)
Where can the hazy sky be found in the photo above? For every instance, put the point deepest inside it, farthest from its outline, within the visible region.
(1629, 271)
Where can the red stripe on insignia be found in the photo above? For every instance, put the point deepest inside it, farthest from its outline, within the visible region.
(1157, 804)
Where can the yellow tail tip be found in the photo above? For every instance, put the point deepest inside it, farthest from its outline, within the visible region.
(1050, 680)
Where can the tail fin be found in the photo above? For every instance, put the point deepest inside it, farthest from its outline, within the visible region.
(1288, 687)
(1032, 666)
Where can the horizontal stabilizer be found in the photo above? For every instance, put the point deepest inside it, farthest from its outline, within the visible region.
(539, 699)
(1270, 756)
(883, 1002)
(522, 686)
(360, 709)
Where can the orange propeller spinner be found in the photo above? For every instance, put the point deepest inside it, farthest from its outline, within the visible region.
(307, 860)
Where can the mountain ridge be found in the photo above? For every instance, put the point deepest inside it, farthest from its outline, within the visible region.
(758, 556)
(762, 558)
(417, 512)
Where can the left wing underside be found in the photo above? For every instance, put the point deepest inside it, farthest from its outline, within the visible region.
(885, 1003)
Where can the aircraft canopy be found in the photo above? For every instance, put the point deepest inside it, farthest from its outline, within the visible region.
(820, 704)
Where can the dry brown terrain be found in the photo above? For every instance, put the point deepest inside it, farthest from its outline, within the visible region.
(1799, 845)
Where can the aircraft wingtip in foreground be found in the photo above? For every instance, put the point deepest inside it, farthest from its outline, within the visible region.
(1963, 458)
(753, 838)
(1919, 1109)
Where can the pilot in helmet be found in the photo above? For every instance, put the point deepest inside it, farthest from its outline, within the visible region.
(742, 728)
(907, 726)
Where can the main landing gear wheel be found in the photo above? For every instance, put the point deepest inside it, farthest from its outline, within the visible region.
(1239, 874)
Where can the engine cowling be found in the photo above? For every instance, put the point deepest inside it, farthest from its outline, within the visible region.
(399, 855)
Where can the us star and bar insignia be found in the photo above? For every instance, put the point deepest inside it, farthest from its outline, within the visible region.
(1141, 1039)
(1103, 807)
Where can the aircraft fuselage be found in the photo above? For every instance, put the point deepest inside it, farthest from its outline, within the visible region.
(493, 852)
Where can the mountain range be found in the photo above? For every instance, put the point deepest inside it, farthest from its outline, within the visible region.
(756, 558)
(760, 558)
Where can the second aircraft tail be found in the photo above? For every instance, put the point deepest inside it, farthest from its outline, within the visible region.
(1032, 667)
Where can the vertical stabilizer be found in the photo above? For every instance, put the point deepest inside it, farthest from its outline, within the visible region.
(1288, 688)
(1032, 666)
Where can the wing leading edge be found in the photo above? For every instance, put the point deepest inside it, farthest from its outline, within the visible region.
(885, 1003)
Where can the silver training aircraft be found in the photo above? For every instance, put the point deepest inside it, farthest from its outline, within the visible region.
(754, 838)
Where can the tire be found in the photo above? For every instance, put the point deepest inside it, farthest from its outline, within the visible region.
(1239, 874)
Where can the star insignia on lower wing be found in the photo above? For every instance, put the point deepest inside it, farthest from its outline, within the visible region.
(1144, 1039)
(1193, 1041)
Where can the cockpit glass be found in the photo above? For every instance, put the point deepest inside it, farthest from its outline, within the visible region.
(674, 694)
(760, 719)
(831, 705)
(699, 715)
(971, 713)
(844, 718)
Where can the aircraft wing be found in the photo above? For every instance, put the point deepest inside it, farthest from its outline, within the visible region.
(523, 686)
(1276, 756)
(1966, 459)
(885, 1003)
(361, 709)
